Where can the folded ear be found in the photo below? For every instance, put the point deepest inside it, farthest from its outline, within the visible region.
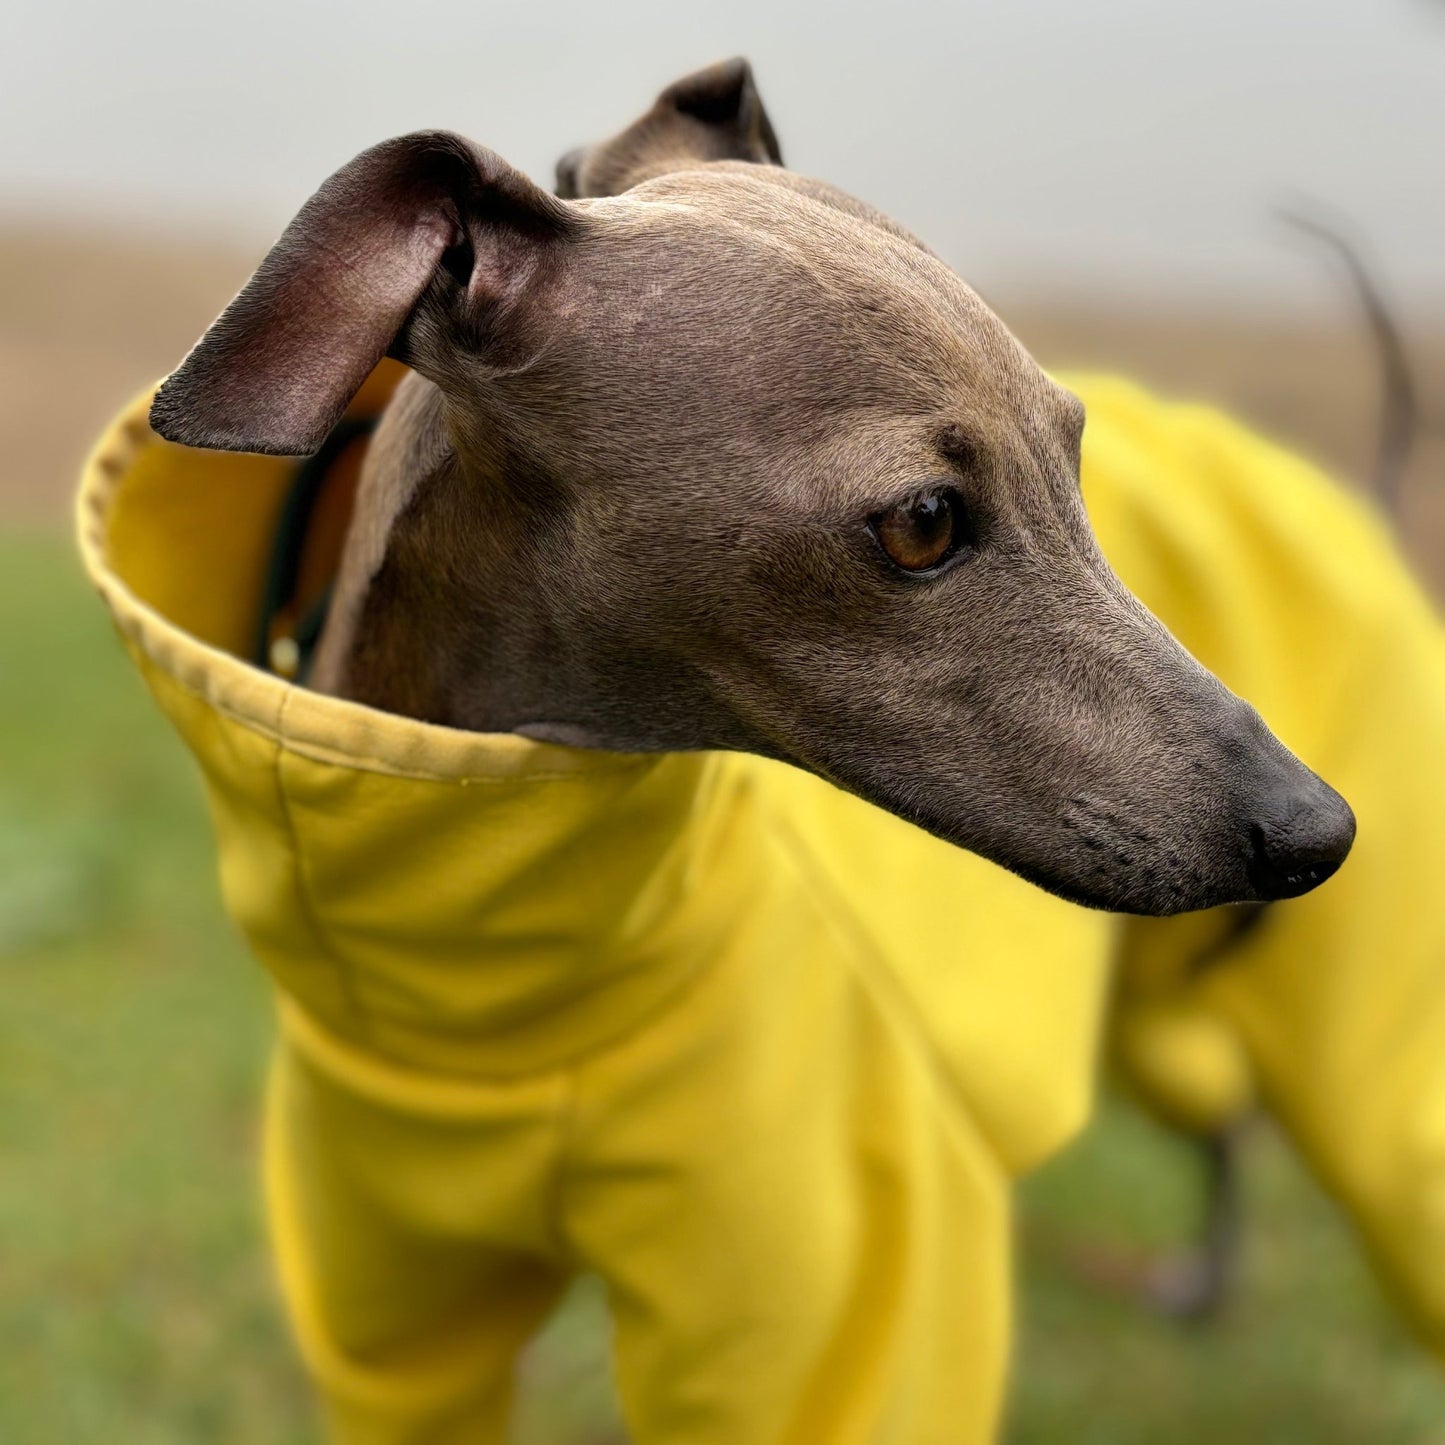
(726, 97)
(429, 214)
(712, 115)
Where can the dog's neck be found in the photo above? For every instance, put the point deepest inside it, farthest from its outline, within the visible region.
(439, 616)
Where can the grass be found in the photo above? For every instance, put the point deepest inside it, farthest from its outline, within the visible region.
(136, 1296)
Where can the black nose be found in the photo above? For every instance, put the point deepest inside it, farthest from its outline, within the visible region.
(1300, 841)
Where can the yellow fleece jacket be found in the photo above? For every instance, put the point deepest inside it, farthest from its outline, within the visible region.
(761, 1056)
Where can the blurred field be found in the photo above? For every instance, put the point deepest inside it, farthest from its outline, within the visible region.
(136, 1299)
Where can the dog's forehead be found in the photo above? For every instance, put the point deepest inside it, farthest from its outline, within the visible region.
(729, 267)
(742, 330)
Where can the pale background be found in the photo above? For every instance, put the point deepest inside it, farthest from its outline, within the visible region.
(1123, 145)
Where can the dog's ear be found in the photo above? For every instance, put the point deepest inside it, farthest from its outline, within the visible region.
(726, 97)
(712, 115)
(426, 215)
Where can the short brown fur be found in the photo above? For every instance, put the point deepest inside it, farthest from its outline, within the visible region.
(625, 499)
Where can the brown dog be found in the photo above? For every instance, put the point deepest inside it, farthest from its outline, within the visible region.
(715, 457)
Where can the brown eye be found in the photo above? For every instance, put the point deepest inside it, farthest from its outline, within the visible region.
(921, 533)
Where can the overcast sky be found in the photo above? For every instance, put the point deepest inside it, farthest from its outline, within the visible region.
(1060, 144)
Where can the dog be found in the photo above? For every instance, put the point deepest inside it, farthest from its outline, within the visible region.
(887, 576)
(714, 522)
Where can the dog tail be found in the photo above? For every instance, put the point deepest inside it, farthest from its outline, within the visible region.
(1399, 391)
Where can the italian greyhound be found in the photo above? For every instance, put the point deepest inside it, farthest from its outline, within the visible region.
(701, 454)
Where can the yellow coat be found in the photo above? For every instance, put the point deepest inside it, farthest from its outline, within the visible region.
(1331, 1013)
(762, 1057)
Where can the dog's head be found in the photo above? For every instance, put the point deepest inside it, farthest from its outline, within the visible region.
(730, 460)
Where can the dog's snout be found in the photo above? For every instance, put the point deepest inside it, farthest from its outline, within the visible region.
(1300, 839)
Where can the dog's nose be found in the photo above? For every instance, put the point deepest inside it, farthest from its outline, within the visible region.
(1300, 841)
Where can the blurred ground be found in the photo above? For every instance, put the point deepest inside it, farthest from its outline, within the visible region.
(136, 1299)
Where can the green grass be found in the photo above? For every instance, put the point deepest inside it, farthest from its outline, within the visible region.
(1307, 1352)
(136, 1297)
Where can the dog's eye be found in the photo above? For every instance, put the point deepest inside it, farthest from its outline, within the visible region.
(922, 533)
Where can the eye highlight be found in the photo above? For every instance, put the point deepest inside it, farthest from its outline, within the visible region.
(918, 536)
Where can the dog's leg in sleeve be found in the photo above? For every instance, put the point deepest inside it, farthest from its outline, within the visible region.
(804, 1237)
(403, 1247)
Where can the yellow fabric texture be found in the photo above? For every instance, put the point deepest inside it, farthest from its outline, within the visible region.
(762, 1057)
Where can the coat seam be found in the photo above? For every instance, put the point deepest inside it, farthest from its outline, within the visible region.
(338, 757)
(567, 1117)
(861, 956)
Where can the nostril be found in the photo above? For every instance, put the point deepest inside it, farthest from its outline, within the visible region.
(1299, 850)
(1276, 874)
